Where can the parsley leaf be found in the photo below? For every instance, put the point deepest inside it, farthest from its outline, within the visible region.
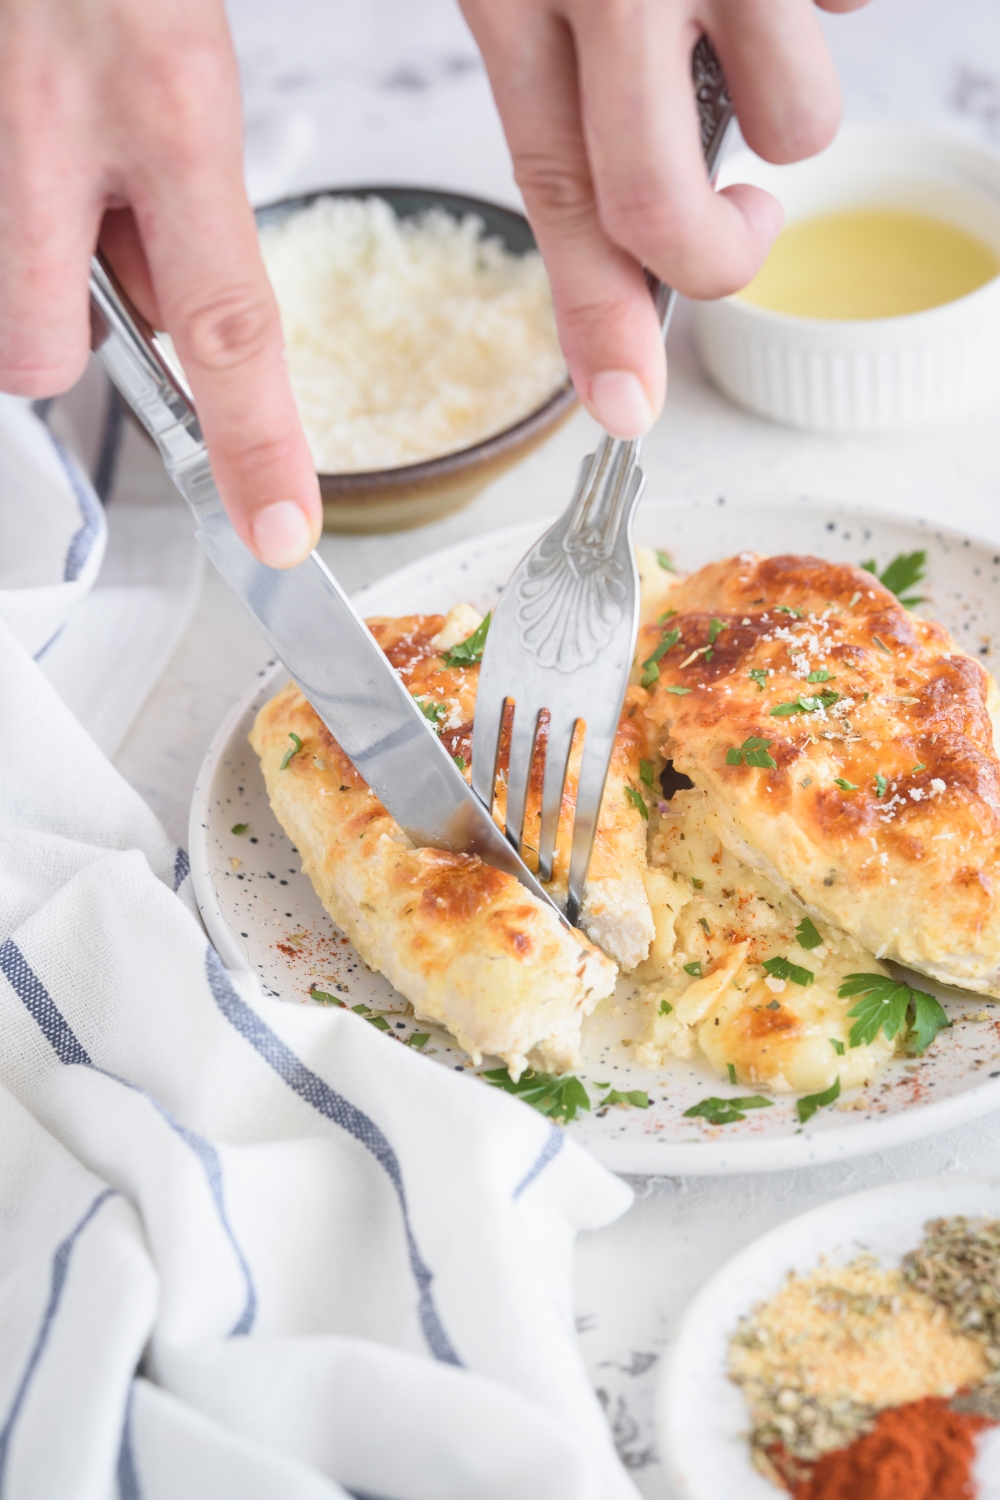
(806, 935)
(646, 772)
(667, 614)
(726, 1111)
(432, 711)
(820, 675)
(804, 705)
(782, 968)
(715, 629)
(325, 998)
(698, 884)
(810, 1103)
(557, 1097)
(459, 761)
(379, 1022)
(466, 653)
(680, 691)
(638, 801)
(636, 1098)
(693, 968)
(752, 752)
(786, 609)
(292, 750)
(889, 1006)
(837, 1045)
(732, 1072)
(880, 643)
(880, 785)
(419, 1039)
(759, 676)
(666, 562)
(239, 828)
(650, 667)
(844, 784)
(665, 1008)
(905, 570)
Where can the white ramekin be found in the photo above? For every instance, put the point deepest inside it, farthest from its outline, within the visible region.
(882, 373)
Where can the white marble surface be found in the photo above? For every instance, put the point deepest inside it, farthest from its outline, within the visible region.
(355, 91)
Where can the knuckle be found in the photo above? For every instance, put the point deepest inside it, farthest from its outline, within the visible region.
(646, 224)
(234, 328)
(555, 189)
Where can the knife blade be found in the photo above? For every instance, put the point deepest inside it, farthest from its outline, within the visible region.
(303, 613)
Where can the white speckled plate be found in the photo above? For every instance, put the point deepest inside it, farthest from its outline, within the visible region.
(701, 1415)
(261, 911)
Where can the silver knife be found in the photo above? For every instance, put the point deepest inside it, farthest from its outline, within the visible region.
(303, 614)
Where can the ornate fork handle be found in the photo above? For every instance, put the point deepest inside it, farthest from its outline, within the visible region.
(579, 561)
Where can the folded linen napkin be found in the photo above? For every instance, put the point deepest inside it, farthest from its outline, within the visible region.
(251, 1249)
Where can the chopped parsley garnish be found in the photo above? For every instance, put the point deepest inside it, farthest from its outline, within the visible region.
(786, 609)
(693, 968)
(880, 643)
(665, 1008)
(759, 676)
(810, 1103)
(715, 629)
(361, 1010)
(293, 749)
(680, 691)
(782, 968)
(638, 801)
(666, 562)
(820, 675)
(837, 1045)
(806, 935)
(773, 1005)
(844, 784)
(325, 998)
(634, 1098)
(752, 752)
(459, 761)
(905, 570)
(915, 769)
(703, 924)
(667, 614)
(650, 667)
(419, 1039)
(379, 1022)
(732, 1072)
(239, 828)
(646, 772)
(880, 785)
(805, 704)
(466, 653)
(726, 1111)
(698, 884)
(557, 1097)
(886, 1005)
(432, 711)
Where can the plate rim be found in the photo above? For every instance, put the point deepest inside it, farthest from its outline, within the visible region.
(770, 1241)
(708, 1158)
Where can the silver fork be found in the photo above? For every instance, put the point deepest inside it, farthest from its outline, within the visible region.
(563, 634)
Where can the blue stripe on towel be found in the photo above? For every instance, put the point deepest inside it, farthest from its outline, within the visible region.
(310, 1087)
(68, 1049)
(126, 1472)
(182, 869)
(553, 1145)
(60, 1270)
(91, 514)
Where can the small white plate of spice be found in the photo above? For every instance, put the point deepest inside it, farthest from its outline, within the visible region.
(853, 1353)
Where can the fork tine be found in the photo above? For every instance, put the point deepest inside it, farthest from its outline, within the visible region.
(593, 773)
(557, 748)
(522, 743)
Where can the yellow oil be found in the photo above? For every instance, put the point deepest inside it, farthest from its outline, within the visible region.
(869, 263)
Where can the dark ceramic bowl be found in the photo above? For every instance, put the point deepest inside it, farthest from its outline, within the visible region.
(391, 499)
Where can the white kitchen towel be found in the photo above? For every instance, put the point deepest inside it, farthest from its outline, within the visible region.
(251, 1249)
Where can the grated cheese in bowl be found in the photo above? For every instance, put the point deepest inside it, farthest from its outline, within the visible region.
(407, 338)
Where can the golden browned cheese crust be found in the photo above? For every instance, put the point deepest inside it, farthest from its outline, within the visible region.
(882, 811)
(464, 943)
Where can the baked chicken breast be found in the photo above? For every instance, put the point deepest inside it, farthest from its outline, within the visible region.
(845, 748)
(463, 942)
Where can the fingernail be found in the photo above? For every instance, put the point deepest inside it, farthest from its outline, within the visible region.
(620, 404)
(281, 534)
